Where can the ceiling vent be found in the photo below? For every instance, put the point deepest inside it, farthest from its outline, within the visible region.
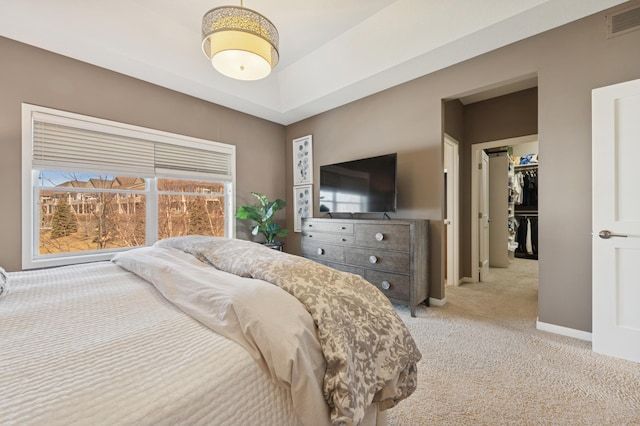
(623, 22)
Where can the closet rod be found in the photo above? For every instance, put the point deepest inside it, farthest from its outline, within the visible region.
(525, 166)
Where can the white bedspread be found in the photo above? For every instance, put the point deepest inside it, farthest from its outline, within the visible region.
(272, 325)
(94, 344)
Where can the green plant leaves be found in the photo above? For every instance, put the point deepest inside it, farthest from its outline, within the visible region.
(262, 214)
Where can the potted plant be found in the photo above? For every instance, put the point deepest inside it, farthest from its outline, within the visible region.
(262, 215)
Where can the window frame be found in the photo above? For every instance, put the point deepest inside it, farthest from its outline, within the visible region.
(31, 258)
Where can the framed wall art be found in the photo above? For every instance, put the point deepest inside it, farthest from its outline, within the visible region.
(303, 205)
(303, 161)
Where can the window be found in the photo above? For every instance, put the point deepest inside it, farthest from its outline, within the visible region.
(189, 207)
(92, 187)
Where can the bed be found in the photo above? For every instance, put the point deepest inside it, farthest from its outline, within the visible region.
(200, 330)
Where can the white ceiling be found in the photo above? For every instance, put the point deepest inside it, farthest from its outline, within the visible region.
(331, 51)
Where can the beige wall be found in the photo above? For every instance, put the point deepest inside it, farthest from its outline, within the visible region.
(502, 117)
(454, 119)
(569, 62)
(39, 77)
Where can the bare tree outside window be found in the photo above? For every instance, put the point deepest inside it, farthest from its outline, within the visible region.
(190, 208)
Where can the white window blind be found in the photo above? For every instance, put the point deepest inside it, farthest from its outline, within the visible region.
(64, 143)
(57, 147)
(176, 159)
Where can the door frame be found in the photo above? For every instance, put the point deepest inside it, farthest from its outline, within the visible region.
(475, 186)
(452, 209)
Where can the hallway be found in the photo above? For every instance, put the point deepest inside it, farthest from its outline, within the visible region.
(514, 290)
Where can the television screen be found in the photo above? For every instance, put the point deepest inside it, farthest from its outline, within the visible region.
(367, 185)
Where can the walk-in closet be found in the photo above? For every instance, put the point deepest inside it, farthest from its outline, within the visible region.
(525, 197)
(513, 203)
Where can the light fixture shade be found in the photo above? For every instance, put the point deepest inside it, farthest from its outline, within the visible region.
(240, 43)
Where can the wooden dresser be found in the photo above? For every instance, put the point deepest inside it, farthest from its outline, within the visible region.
(391, 254)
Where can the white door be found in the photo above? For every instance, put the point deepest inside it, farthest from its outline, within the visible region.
(499, 208)
(616, 220)
(483, 215)
(451, 161)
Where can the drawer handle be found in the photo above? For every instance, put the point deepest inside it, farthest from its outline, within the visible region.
(373, 259)
(385, 285)
(343, 239)
(343, 227)
(320, 251)
(379, 236)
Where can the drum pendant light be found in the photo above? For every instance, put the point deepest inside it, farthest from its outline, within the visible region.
(240, 42)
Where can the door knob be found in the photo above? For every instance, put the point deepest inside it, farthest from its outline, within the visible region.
(605, 234)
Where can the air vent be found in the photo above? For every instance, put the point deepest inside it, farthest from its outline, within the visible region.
(623, 22)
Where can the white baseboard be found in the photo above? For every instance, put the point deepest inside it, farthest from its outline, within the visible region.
(466, 280)
(437, 302)
(564, 331)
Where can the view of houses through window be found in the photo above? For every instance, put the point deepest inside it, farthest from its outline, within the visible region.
(82, 212)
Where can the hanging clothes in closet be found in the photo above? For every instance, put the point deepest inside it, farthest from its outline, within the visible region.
(526, 211)
(527, 236)
(526, 190)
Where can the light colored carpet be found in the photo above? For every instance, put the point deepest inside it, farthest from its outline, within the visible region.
(485, 363)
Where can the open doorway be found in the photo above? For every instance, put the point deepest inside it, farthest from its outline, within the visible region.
(492, 244)
(482, 120)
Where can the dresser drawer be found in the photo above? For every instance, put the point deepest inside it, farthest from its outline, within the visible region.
(344, 268)
(322, 237)
(386, 236)
(379, 259)
(399, 285)
(327, 226)
(326, 252)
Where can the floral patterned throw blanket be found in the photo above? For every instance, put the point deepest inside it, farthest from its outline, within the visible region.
(369, 352)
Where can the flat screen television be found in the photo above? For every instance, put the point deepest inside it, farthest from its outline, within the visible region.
(367, 185)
